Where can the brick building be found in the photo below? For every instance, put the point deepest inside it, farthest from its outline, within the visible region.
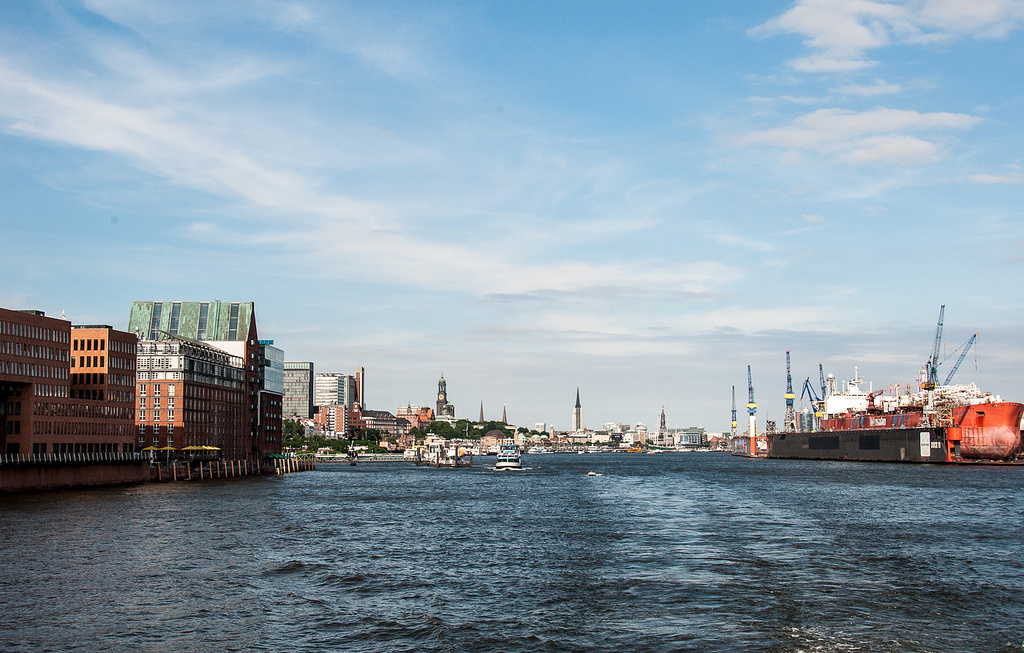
(191, 394)
(417, 416)
(64, 390)
(230, 327)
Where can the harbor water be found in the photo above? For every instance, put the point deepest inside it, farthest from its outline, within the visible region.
(667, 552)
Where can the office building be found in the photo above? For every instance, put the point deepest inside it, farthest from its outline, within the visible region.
(298, 390)
(64, 390)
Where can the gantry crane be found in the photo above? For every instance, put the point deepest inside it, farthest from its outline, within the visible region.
(932, 366)
(751, 408)
(789, 424)
(734, 411)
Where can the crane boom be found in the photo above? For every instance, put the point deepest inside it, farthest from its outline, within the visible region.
(809, 392)
(933, 363)
(751, 404)
(963, 355)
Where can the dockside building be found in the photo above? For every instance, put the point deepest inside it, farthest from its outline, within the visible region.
(231, 328)
(64, 389)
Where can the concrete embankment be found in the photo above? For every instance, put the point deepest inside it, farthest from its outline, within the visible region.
(67, 471)
(18, 474)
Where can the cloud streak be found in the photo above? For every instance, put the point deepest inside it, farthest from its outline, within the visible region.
(862, 137)
(843, 31)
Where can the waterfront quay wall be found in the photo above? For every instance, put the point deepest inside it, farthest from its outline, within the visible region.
(27, 473)
(53, 472)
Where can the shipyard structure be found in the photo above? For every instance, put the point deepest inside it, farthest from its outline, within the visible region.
(928, 421)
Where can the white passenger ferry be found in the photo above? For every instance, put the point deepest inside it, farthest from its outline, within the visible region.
(508, 455)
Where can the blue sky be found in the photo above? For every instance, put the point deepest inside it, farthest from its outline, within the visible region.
(639, 198)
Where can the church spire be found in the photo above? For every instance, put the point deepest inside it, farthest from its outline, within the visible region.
(578, 397)
(481, 410)
(504, 416)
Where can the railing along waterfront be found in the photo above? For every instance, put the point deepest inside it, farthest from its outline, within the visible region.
(68, 458)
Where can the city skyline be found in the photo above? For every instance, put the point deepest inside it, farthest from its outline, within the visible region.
(641, 200)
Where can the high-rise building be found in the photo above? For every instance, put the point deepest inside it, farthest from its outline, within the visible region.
(298, 389)
(271, 367)
(332, 388)
(360, 393)
(230, 327)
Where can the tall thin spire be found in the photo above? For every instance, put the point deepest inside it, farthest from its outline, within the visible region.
(481, 410)
(577, 413)
(504, 416)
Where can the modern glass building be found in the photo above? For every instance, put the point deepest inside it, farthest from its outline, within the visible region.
(298, 389)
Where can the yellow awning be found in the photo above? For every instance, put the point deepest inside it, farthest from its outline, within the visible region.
(149, 449)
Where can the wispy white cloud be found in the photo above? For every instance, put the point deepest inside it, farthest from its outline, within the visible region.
(843, 31)
(1008, 178)
(369, 234)
(858, 137)
(880, 87)
(813, 218)
(739, 241)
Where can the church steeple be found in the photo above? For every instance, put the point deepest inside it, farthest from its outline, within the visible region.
(481, 411)
(443, 407)
(577, 414)
(504, 417)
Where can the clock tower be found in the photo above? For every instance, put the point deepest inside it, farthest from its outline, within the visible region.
(443, 407)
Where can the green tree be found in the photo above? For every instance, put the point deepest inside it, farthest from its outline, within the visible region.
(442, 429)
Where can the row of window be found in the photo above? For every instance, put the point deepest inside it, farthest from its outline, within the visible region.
(99, 344)
(79, 447)
(156, 402)
(19, 330)
(33, 369)
(89, 361)
(32, 351)
(156, 416)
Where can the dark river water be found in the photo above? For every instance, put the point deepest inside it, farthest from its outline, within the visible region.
(668, 552)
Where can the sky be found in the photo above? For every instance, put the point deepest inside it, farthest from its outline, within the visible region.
(636, 198)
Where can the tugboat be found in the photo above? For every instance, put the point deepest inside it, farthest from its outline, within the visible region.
(508, 455)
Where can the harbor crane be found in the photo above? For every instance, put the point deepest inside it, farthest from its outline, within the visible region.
(963, 355)
(734, 411)
(790, 422)
(932, 366)
(751, 408)
(809, 392)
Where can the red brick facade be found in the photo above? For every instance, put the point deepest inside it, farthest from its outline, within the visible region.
(43, 412)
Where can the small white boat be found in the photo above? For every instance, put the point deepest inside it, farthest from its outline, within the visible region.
(593, 474)
(508, 455)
